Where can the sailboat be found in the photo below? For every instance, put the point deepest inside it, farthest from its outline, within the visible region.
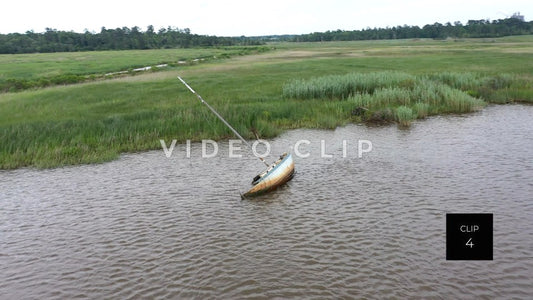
(275, 175)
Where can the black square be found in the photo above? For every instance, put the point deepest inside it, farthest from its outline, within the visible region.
(469, 237)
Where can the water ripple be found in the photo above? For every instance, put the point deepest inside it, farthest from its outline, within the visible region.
(150, 227)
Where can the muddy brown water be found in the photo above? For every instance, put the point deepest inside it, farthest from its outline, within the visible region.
(371, 227)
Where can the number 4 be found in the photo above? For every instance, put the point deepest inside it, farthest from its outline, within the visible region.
(469, 243)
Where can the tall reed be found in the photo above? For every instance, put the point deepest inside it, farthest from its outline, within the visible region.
(404, 116)
(421, 109)
(343, 86)
(410, 96)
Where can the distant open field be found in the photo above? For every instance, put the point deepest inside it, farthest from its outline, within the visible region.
(39, 69)
(96, 121)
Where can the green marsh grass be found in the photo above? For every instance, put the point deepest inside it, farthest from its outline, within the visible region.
(426, 94)
(26, 71)
(343, 86)
(96, 121)
(421, 109)
(404, 116)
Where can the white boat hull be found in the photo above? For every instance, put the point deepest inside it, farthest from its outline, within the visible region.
(279, 173)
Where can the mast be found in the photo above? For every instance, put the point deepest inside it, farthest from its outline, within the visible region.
(220, 117)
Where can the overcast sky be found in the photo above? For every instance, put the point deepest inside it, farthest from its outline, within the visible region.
(247, 17)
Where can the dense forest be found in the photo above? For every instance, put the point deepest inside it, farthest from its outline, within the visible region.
(134, 38)
(123, 38)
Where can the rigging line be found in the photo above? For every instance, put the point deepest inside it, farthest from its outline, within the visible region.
(220, 117)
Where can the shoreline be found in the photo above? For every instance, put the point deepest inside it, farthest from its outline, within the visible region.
(182, 143)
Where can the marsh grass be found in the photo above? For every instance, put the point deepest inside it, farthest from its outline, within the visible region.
(418, 96)
(344, 86)
(76, 126)
(421, 109)
(96, 121)
(462, 81)
(38, 70)
(404, 116)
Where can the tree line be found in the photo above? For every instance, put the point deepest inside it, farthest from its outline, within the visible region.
(515, 25)
(124, 38)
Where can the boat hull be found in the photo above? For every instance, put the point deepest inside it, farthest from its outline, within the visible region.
(282, 171)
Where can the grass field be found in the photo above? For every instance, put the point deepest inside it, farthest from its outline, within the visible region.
(25, 71)
(96, 121)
